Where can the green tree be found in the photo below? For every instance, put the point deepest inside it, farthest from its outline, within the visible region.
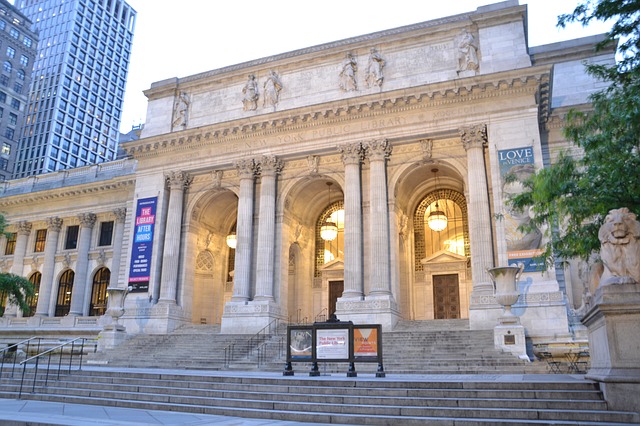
(573, 195)
(14, 288)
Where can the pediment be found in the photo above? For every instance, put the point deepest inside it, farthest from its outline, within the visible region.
(334, 265)
(444, 256)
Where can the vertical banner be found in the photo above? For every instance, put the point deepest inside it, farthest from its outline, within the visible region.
(140, 264)
(365, 342)
(517, 165)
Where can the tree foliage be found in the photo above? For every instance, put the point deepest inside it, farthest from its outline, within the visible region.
(16, 289)
(572, 196)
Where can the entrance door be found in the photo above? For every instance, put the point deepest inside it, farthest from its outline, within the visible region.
(336, 288)
(446, 296)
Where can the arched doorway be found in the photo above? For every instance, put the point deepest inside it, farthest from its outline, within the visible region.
(34, 279)
(98, 304)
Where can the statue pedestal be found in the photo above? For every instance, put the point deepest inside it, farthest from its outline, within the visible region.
(509, 336)
(111, 336)
(614, 342)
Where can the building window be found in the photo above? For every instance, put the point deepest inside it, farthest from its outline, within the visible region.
(7, 67)
(17, 87)
(65, 287)
(11, 243)
(14, 33)
(13, 119)
(6, 149)
(9, 132)
(20, 74)
(33, 301)
(15, 103)
(41, 238)
(11, 52)
(27, 41)
(4, 79)
(71, 243)
(24, 60)
(3, 24)
(99, 292)
(106, 233)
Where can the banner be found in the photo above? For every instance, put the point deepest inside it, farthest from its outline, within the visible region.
(517, 165)
(140, 265)
(365, 342)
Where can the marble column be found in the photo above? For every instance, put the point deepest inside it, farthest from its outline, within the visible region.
(270, 166)
(118, 233)
(474, 140)
(80, 284)
(177, 182)
(380, 274)
(47, 301)
(17, 268)
(244, 231)
(352, 156)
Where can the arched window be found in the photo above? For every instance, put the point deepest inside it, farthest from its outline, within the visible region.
(65, 288)
(7, 67)
(34, 279)
(99, 292)
(453, 238)
(326, 251)
(20, 74)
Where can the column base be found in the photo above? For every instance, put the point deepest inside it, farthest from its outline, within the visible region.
(250, 317)
(111, 336)
(614, 338)
(381, 310)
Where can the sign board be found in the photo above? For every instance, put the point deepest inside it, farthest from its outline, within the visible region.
(332, 344)
(140, 264)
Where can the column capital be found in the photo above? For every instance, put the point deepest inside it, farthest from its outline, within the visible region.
(178, 179)
(247, 168)
(473, 136)
(378, 149)
(121, 214)
(24, 227)
(87, 220)
(270, 165)
(351, 153)
(54, 223)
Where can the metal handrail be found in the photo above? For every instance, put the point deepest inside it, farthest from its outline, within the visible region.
(51, 352)
(253, 343)
(4, 351)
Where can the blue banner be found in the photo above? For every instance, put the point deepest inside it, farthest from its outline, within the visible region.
(140, 265)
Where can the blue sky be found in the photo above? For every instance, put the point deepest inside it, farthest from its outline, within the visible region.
(202, 35)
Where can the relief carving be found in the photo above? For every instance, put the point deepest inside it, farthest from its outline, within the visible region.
(374, 75)
(467, 52)
(250, 94)
(180, 109)
(272, 87)
(348, 72)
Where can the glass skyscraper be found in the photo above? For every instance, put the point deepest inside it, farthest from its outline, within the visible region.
(78, 83)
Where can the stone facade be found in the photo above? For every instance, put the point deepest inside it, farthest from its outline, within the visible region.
(249, 149)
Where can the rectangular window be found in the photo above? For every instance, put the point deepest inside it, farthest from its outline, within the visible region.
(13, 119)
(4, 79)
(71, 243)
(15, 103)
(41, 238)
(9, 132)
(24, 60)
(11, 243)
(106, 233)
(11, 52)
(6, 149)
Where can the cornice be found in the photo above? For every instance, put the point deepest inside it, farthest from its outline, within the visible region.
(66, 192)
(533, 80)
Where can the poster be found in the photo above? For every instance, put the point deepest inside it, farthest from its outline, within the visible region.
(140, 265)
(517, 165)
(365, 342)
(332, 343)
(300, 344)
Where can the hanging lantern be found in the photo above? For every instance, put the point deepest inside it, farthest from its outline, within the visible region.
(232, 241)
(329, 229)
(437, 220)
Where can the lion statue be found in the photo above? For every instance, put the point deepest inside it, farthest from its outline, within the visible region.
(620, 248)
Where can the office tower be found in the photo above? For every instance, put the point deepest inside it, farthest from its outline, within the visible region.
(18, 45)
(79, 76)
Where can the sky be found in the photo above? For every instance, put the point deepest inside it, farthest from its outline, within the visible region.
(186, 37)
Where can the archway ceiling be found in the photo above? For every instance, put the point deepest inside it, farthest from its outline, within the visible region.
(308, 199)
(419, 180)
(218, 211)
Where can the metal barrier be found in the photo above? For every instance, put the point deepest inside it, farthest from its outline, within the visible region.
(255, 343)
(12, 351)
(75, 348)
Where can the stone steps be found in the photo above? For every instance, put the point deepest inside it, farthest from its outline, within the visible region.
(335, 399)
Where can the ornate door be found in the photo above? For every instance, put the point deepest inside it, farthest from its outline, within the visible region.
(446, 296)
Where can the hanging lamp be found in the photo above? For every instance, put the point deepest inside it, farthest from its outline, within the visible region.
(329, 229)
(437, 220)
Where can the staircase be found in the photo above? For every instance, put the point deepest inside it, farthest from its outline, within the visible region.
(417, 400)
(427, 347)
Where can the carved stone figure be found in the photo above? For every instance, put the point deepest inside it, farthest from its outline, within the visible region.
(313, 162)
(180, 108)
(348, 73)
(374, 75)
(250, 94)
(272, 87)
(467, 53)
(620, 248)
